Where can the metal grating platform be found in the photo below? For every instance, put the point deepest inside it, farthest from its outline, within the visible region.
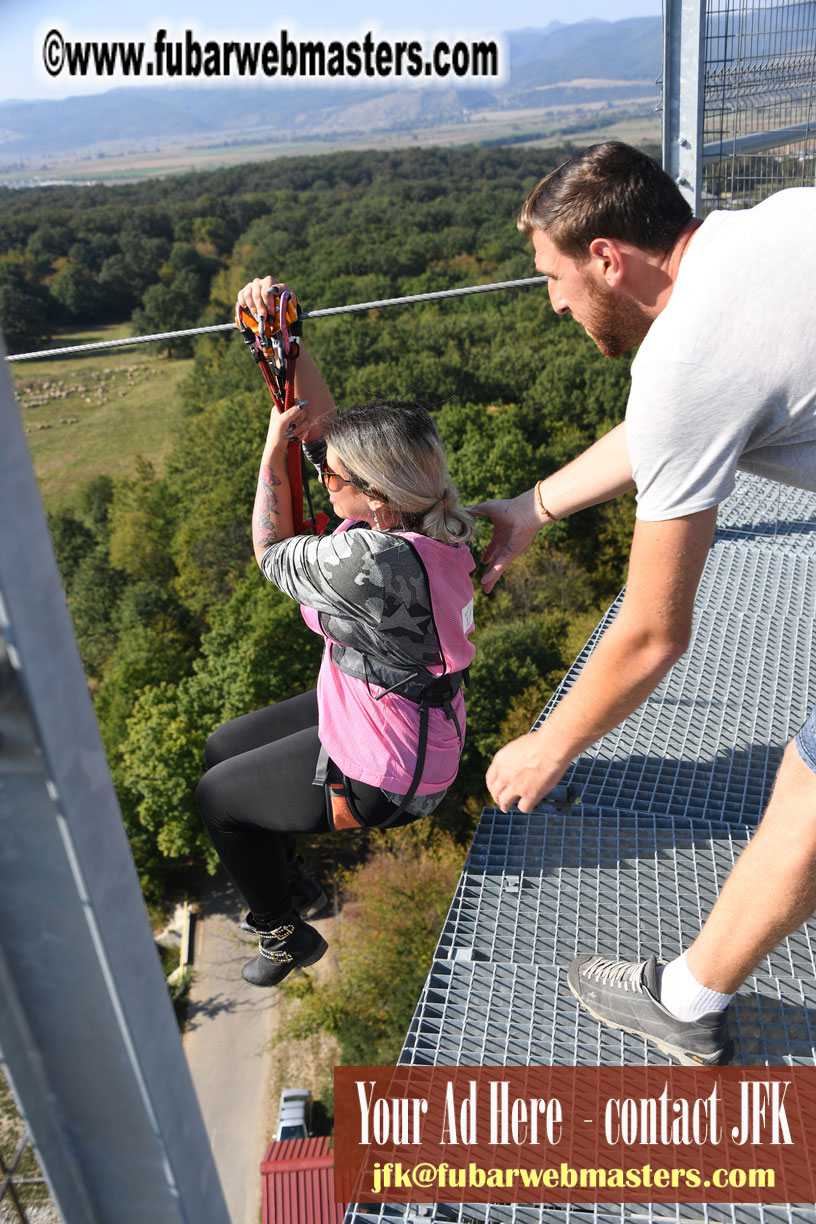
(604, 1213)
(766, 511)
(556, 1213)
(494, 1015)
(666, 803)
(545, 887)
(708, 741)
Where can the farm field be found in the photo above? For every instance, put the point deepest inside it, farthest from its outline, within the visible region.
(544, 129)
(92, 413)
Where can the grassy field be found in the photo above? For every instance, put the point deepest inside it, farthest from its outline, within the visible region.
(93, 413)
(637, 122)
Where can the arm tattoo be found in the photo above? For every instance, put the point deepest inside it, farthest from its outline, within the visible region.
(264, 531)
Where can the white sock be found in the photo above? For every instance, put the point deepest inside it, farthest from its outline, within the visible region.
(683, 996)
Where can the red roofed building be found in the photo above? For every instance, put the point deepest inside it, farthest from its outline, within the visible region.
(298, 1183)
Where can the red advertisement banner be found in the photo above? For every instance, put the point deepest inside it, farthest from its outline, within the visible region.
(575, 1134)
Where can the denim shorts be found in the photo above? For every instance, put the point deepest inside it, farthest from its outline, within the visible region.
(806, 742)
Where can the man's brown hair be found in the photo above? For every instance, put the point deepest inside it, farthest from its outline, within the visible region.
(609, 191)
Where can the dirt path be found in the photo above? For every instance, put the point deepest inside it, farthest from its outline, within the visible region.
(228, 1043)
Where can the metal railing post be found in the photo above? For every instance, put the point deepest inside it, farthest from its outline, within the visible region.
(684, 96)
(88, 1036)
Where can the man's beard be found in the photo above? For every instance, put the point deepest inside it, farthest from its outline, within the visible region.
(615, 321)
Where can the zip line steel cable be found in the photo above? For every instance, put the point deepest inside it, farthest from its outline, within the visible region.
(68, 350)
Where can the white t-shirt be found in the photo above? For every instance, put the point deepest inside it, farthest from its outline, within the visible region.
(726, 376)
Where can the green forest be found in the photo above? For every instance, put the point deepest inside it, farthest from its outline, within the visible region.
(177, 629)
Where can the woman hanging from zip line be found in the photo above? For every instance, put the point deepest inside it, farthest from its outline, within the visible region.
(378, 742)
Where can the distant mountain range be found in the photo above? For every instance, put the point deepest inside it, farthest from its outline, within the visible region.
(588, 63)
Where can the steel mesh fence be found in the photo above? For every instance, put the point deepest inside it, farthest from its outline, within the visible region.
(24, 1195)
(759, 125)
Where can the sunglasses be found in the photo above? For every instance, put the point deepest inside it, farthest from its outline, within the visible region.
(332, 481)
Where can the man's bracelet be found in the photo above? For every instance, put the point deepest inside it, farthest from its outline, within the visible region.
(540, 503)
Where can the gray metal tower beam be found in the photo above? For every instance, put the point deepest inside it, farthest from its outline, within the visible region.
(88, 1035)
(684, 95)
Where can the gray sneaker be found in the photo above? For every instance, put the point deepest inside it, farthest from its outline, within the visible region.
(626, 996)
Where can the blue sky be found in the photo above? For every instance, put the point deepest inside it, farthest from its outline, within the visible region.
(23, 24)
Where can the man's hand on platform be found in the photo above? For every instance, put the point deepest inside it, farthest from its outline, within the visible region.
(522, 772)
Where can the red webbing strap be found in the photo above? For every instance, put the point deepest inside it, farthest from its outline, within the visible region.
(294, 455)
(269, 379)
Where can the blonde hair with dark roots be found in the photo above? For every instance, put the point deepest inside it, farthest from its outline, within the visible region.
(393, 450)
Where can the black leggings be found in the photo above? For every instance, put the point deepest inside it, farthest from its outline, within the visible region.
(258, 790)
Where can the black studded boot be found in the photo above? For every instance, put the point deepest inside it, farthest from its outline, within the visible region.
(291, 944)
(308, 897)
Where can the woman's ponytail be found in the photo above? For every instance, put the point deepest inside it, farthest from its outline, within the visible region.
(394, 448)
